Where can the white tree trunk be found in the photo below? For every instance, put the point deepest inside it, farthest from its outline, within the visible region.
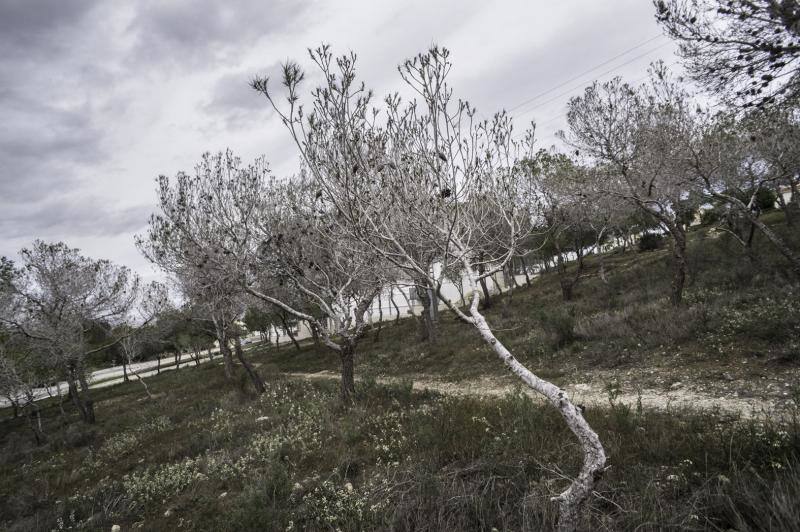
(594, 458)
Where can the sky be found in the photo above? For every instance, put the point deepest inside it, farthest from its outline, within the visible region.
(100, 97)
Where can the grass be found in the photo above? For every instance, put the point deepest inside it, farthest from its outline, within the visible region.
(740, 321)
(400, 459)
(207, 454)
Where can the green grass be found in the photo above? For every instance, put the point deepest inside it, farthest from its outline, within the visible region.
(741, 319)
(295, 459)
(413, 461)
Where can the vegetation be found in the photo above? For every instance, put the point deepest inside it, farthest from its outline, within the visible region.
(407, 195)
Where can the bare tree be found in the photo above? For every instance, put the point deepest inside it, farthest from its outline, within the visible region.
(633, 137)
(433, 177)
(747, 51)
(60, 297)
(185, 240)
(152, 302)
(733, 161)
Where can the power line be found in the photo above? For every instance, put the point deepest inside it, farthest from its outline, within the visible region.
(604, 63)
(557, 96)
(564, 114)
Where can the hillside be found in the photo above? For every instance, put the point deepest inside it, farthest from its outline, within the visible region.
(204, 454)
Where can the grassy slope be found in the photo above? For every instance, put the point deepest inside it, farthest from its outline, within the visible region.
(426, 462)
(415, 461)
(738, 334)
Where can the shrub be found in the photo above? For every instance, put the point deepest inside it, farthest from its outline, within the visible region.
(650, 241)
(559, 326)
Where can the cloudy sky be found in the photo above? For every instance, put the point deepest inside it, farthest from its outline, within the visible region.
(99, 97)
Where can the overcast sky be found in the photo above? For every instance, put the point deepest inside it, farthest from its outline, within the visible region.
(99, 97)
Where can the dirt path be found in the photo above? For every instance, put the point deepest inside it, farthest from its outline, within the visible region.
(591, 394)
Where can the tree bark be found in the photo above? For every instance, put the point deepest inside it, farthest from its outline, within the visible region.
(679, 264)
(222, 340)
(88, 402)
(394, 303)
(348, 387)
(525, 269)
(146, 389)
(288, 330)
(572, 499)
(251, 371)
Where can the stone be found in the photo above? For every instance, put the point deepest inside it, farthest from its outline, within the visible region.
(223, 494)
(116, 528)
(676, 385)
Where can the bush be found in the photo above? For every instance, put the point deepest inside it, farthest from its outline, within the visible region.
(710, 217)
(650, 241)
(559, 326)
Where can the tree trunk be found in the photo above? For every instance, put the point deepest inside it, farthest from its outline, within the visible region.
(124, 370)
(679, 264)
(88, 402)
(146, 389)
(158, 366)
(394, 304)
(288, 330)
(14, 406)
(780, 244)
(222, 340)
(380, 320)
(525, 269)
(487, 302)
(348, 387)
(251, 371)
(427, 330)
(35, 421)
(572, 499)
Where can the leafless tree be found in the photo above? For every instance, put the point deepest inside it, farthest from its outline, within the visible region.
(633, 138)
(733, 160)
(426, 175)
(58, 298)
(747, 51)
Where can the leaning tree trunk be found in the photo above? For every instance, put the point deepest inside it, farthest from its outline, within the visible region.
(776, 241)
(572, 499)
(258, 382)
(144, 384)
(288, 330)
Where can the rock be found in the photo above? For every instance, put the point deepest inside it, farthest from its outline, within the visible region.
(727, 376)
(673, 478)
(168, 512)
(116, 528)
(262, 418)
(348, 487)
(223, 494)
(676, 385)
(582, 387)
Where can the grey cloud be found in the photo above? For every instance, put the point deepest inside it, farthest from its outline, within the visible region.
(207, 30)
(41, 145)
(39, 25)
(233, 100)
(72, 217)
